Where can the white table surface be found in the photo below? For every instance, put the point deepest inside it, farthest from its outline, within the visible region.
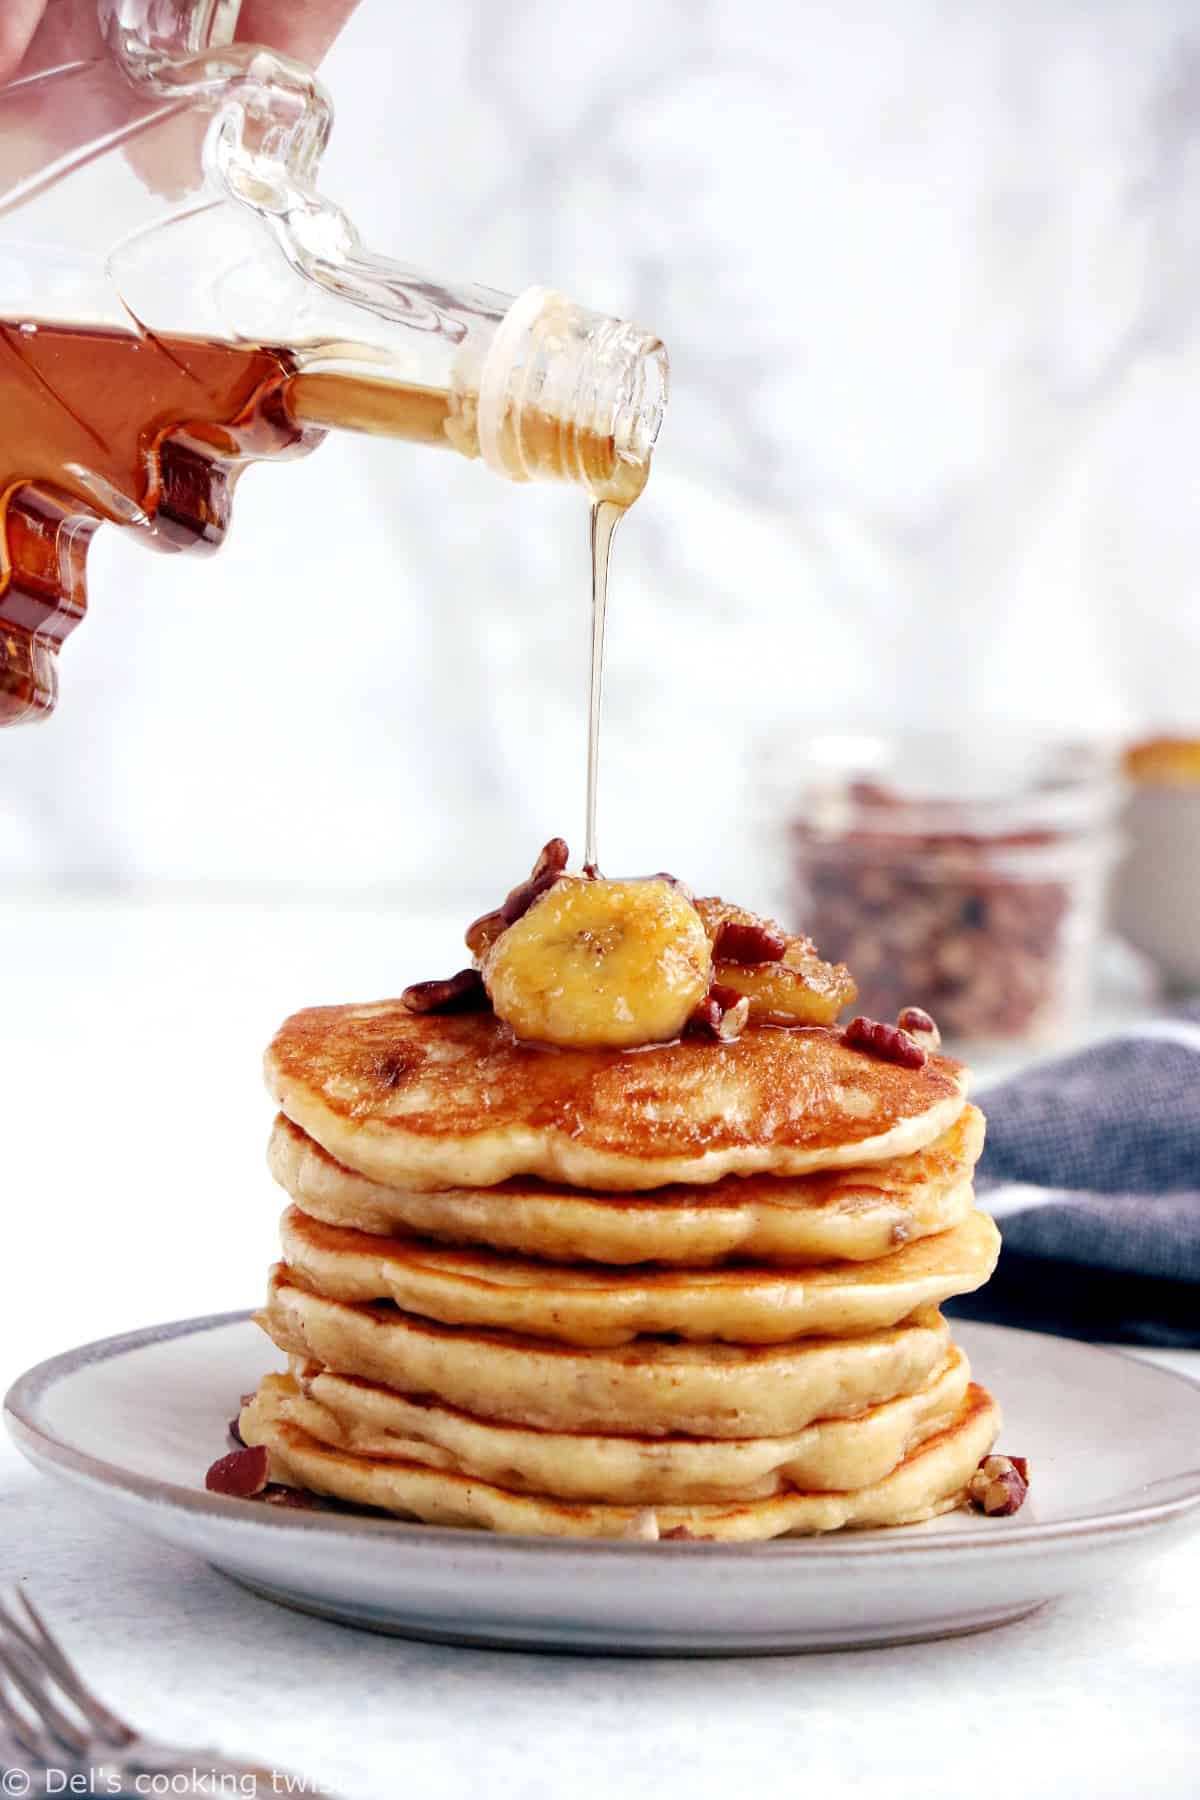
(133, 1127)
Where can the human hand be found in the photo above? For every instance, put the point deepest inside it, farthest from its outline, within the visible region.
(304, 28)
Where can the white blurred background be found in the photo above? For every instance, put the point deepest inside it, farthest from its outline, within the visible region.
(930, 280)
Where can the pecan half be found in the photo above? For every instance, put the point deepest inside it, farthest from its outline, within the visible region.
(546, 870)
(740, 941)
(242, 1473)
(999, 1485)
(459, 993)
(482, 933)
(920, 1026)
(887, 1042)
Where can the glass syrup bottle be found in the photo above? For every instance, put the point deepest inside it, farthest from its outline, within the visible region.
(177, 300)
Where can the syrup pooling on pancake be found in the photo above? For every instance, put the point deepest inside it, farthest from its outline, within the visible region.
(431, 1101)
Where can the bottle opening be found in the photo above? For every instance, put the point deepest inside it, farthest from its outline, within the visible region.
(570, 394)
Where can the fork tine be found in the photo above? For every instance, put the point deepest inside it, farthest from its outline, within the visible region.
(23, 1674)
(94, 1711)
(26, 1735)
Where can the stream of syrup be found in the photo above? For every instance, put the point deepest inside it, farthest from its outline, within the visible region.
(606, 516)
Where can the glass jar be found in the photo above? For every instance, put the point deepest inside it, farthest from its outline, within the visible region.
(966, 875)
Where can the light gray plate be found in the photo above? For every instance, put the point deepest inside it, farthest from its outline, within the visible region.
(1115, 1446)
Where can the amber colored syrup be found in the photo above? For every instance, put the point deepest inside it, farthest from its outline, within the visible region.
(153, 432)
(606, 516)
(98, 424)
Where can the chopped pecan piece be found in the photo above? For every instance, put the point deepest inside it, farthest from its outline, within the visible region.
(642, 1527)
(683, 1534)
(887, 1042)
(235, 1424)
(999, 1485)
(985, 936)
(459, 993)
(721, 1014)
(242, 1473)
(276, 1494)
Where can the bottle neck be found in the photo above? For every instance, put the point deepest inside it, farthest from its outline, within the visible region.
(537, 389)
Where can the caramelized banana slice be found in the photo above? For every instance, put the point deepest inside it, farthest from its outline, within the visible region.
(781, 974)
(600, 964)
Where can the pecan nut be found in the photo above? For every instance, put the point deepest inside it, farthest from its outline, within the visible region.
(241, 1473)
(888, 1042)
(546, 870)
(740, 941)
(722, 1014)
(641, 1527)
(482, 933)
(235, 1424)
(986, 939)
(301, 1499)
(999, 1485)
(920, 1026)
(459, 993)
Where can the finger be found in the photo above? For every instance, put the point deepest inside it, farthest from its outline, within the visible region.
(305, 30)
(18, 20)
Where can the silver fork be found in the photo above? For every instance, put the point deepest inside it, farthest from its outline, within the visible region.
(53, 1727)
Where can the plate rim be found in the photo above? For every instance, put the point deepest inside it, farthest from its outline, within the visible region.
(38, 1443)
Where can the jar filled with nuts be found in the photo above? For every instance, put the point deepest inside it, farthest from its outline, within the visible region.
(965, 874)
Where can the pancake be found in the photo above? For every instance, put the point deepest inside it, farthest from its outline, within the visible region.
(930, 1480)
(655, 1386)
(581, 1303)
(350, 1414)
(435, 1101)
(840, 1214)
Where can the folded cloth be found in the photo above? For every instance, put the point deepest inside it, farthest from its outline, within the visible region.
(1092, 1168)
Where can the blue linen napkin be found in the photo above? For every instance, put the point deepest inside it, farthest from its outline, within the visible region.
(1092, 1169)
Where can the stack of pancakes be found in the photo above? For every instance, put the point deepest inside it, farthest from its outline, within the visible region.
(687, 1290)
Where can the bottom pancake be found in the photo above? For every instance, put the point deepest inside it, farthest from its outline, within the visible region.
(347, 1413)
(930, 1480)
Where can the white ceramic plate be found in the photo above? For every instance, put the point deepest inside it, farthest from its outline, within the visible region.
(1114, 1444)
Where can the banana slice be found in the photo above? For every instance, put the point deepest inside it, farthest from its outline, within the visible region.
(781, 975)
(600, 964)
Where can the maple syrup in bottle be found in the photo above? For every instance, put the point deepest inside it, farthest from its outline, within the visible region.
(177, 301)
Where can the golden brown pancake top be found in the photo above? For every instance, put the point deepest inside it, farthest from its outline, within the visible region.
(433, 1100)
